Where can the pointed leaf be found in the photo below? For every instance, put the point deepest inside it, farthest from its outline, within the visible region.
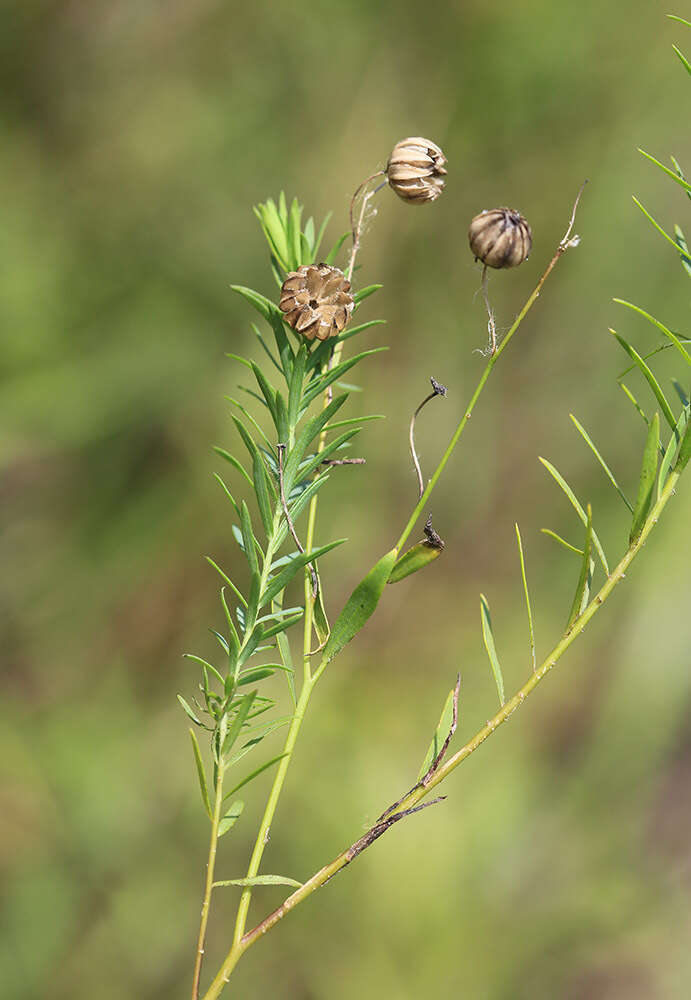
(526, 595)
(666, 170)
(260, 880)
(282, 579)
(306, 436)
(488, 640)
(559, 479)
(365, 293)
(440, 735)
(238, 721)
(360, 606)
(562, 541)
(608, 472)
(317, 386)
(261, 489)
(646, 483)
(231, 817)
(684, 451)
(416, 558)
(200, 774)
(333, 252)
(671, 450)
(260, 302)
(188, 711)
(248, 540)
(672, 337)
(587, 567)
(255, 774)
(296, 380)
(650, 379)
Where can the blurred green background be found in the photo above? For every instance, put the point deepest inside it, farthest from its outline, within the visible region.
(135, 139)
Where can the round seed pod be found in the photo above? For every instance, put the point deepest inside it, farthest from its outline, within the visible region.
(500, 237)
(416, 170)
(316, 301)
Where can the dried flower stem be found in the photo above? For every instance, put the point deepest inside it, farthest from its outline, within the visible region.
(564, 244)
(491, 324)
(356, 230)
(437, 390)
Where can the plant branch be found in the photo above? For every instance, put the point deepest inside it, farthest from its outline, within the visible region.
(442, 771)
(208, 889)
(565, 243)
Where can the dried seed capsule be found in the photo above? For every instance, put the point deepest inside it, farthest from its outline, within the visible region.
(416, 170)
(316, 301)
(500, 237)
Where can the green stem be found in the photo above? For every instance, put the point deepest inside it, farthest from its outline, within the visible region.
(419, 792)
(422, 502)
(208, 889)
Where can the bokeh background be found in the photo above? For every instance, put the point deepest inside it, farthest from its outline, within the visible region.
(135, 138)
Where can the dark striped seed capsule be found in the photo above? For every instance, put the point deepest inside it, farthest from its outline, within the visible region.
(500, 237)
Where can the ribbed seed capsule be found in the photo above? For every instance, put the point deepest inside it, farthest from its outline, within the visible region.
(316, 301)
(500, 237)
(416, 170)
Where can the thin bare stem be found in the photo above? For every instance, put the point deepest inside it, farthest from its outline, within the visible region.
(208, 889)
(437, 390)
(491, 324)
(356, 230)
(289, 522)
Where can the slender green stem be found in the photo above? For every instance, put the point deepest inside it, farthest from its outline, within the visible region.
(494, 357)
(421, 791)
(208, 889)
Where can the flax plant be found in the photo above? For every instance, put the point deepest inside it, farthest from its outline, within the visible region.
(301, 393)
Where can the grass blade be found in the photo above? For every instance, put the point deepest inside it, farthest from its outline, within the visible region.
(657, 226)
(488, 639)
(559, 479)
(647, 479)
(608, 472)
(562, 541)
(650, 379)
(527, 596)
(660, 326)
(670, 173)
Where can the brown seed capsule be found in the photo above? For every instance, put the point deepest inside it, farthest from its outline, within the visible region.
(500, 237)
(416, 170)
(316, 301)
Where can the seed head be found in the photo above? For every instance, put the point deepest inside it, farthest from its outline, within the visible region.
(316, 301)
(500, 237)
(416, 170)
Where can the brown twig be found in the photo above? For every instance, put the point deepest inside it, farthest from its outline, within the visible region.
(437, 390)
(356, 230)
(344, 461)
(291, 526)
(491, 324)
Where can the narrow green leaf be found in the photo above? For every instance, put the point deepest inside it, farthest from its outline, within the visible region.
(353, 421)
(364, 293)
(254, 774)
(231, 817)
(281, 626)
(260, 302)
(205, 664)
(234, 639)
(416, 558)
(562, 541)
(608, 472)
(320, 234)
(248, 416)
(282, 579)
(260, 880)
(255, 675)
(246, 436)
(680, 392)
(306, 436)
(684, 251)
(360, 606)
(334, 251)
(248, 540)
(682, 20)
(353, 331)
(238, 721)
(670, 173)
(236, 463)
(313, 463)
(321, 622)
(587, 568)
(635, 403)
(282, 423)
(488, 640)
(267, 390)
(296, 380)
(318, 385)
(526, 595)
(684, 61)
(650, 379)
(660, 326)
(559, 479)
(647, 479)
(657, 226)
(308, 233)
(188, 711)
(261, 489)
(227, 580)
(684, 451)
(674, 442)
(440, 734)
(274, 228)
(265, 346)
(200, 774)
(227, 492)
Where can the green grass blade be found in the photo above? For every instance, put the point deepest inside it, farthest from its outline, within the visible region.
(684, 61)
(682, 20)
(646, 483)
(488, 639)
(200, 774)
(670, 173)
(657, 225)
(527, 596)
(254, 774)
(235, 462)
(676, 342)
(580, 599)
(559, 479)
(562, 541)
(608, 472)
(650, 379)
